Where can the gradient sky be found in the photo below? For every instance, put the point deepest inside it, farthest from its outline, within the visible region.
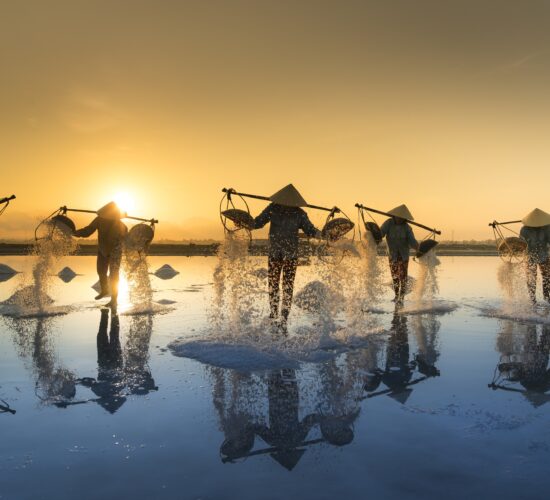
(442, 105)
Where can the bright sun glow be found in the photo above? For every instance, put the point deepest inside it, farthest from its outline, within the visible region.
(125, 202)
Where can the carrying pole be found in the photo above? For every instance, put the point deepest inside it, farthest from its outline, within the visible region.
(495, 223)
(362, 207)
(7, 199)
(231, 191)
(65, 210)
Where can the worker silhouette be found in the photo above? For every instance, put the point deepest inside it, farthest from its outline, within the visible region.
(111, 233)
(400, 239)
(536, 232)
(287, 218)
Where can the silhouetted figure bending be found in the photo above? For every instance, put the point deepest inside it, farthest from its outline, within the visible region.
(111, 233)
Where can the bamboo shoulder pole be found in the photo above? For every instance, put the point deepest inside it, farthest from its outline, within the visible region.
(358, 205)
(266, 198)
(496, 223)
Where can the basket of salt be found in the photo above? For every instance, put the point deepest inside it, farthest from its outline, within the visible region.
(512, 246)
(425, 246)
(241, 218)
(337, 228)
(63, 224)
(140, 237)
(374, 229)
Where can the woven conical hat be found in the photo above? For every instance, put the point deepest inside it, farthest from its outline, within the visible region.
(536, 218)
(110, 211)
(288, 196)
(402, 212)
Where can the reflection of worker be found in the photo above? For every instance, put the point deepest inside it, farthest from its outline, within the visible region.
(111, 233)
(286, 432)
(400, 239)
(110, 376)
(536, 232)
(524, 359)
(399, 369)
(286, 218)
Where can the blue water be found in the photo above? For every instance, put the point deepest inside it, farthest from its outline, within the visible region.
(101, 415)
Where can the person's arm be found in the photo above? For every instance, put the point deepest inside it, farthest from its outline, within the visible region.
(87, 231)
(385, 228)
(308, 228)
(263, 218)
(411, 239)
(522, 232)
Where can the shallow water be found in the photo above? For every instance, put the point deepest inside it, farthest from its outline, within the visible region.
(161, 406)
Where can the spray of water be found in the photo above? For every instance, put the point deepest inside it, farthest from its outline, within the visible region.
(426, 286)
(511, 278)
(32, 296)
(136, 270)
(239, 288)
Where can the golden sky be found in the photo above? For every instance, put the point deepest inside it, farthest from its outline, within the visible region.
(443, 106)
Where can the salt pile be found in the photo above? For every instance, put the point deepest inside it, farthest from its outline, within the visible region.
(166, 272)
(5, 269)
(6, 272)
(66, 274)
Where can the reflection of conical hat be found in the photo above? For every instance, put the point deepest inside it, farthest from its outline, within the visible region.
(288, 196)
(110, 211)
(536, 218)
(402, 212)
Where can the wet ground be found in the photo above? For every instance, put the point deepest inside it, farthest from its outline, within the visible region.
(102, 407)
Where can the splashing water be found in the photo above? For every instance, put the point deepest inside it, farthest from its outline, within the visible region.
(136, 269)
(238, 288)
(511, 278)
(33, 294)
(426, 286)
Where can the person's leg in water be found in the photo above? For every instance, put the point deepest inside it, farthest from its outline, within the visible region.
(289, 275)
(102, 268)
(274, 268)
(531, 275)
(114, 276)
(545, 272)
(403, 276)
(394, 271)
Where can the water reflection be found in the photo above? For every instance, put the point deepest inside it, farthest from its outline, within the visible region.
(121, 372)
(34, 343)
(523, 365)
(284, 412)
(400, 366)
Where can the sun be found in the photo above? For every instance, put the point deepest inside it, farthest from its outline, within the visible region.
(124, 201)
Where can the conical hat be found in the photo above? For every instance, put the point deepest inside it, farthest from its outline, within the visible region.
(288, 196)
(536, 218)
(402, 212)
(110, 211)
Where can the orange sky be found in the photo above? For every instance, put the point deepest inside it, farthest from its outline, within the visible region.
(440, 105)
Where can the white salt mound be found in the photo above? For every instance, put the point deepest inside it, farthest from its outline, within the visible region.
(5, 269)
(166, 272)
